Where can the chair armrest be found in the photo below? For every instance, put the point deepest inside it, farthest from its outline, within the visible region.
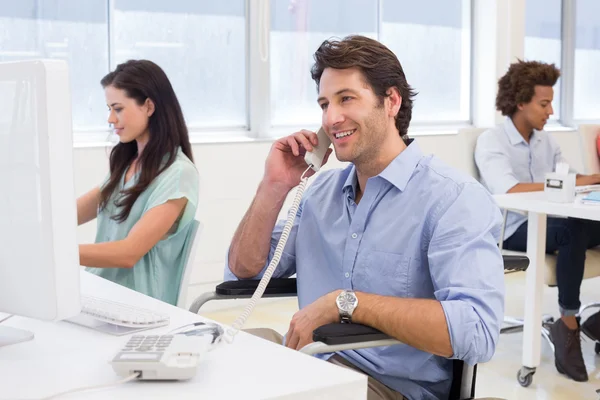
(515, 263)
(338, 333)
(339, 337)
(277, 287)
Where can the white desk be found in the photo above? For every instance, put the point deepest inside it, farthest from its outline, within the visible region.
(537, 207)
(65, 356)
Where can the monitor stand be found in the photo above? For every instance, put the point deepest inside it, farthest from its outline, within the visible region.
(10, 335)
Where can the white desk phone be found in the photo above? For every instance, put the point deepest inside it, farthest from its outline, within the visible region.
(164, 357)
(176, 357)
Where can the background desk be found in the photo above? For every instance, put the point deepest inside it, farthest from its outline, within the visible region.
(65, 356)
(537, 207)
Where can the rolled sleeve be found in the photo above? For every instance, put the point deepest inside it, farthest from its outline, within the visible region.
(494, 166)
(467, 272)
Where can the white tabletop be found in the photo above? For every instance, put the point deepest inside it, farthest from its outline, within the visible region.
(538, 203)
(65, 356)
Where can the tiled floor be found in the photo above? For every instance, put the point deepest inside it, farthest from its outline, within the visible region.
(496, 378)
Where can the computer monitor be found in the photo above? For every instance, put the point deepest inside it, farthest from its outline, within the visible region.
(39, 256)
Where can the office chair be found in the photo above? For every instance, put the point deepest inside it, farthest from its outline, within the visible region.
(338, 337)
(588, 136)
(186, 274)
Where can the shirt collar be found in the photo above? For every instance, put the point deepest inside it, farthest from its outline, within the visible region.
(514, 136)
(398, 172)
(351, 182)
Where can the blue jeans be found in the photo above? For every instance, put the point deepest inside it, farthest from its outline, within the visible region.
(571, 237)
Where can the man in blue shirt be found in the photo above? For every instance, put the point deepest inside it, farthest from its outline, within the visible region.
(413, 240)
(515, 157)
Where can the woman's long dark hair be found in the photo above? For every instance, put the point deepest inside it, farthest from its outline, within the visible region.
(141, 80)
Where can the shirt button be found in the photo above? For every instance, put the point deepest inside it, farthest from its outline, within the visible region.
(347, 275)
(354, 236)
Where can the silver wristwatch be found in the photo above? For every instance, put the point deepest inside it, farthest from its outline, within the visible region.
(346, 304)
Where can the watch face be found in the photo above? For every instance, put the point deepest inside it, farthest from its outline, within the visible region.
(347, 301)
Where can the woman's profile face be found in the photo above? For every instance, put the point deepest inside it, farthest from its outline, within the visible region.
(128, 118)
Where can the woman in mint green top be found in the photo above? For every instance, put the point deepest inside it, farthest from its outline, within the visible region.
(146, 206)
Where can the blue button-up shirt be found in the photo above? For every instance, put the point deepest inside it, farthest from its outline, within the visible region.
(421, 230)
(505, 159)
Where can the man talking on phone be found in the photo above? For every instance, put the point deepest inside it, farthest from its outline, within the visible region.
(411, 240)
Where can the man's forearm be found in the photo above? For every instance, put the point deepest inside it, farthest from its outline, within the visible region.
(526, 187)
(252, 240)
(582, 180)
(420, 323)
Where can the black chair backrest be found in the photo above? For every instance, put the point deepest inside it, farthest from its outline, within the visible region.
(458, 368)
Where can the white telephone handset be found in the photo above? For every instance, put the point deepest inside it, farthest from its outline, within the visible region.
(314, 160)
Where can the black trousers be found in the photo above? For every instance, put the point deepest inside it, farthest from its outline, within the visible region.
(571, 237)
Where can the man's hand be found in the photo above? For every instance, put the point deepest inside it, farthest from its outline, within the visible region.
(322, 312)
(285, 163)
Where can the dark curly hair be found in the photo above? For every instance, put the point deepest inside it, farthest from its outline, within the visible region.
(517, 86)
(379, 65)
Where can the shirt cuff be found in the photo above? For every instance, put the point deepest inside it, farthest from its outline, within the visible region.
(467, 334)
(503, 185)
(227, 274)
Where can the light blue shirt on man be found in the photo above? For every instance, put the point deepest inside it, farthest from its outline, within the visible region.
(505, 159)
(421, 230)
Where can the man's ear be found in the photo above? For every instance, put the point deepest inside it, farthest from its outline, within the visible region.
(150, 107)
(395, 101)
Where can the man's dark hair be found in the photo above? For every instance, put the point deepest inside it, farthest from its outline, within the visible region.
(517, 86)
(378, 64)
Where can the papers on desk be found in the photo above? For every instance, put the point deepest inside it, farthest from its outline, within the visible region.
(591, 198)
(586, 188)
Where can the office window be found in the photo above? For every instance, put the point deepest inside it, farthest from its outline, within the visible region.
(432, 40)
(204, 47)
(297, 29)
(70, 30)
(201, 45)
(586, 101)
(543, 38)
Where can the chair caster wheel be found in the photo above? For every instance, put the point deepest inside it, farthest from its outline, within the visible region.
(525, 376)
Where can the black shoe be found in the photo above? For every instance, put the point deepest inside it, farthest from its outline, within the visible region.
(567, 351)
(591, 327)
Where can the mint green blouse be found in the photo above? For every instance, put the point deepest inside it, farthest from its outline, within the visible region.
(158, 273)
